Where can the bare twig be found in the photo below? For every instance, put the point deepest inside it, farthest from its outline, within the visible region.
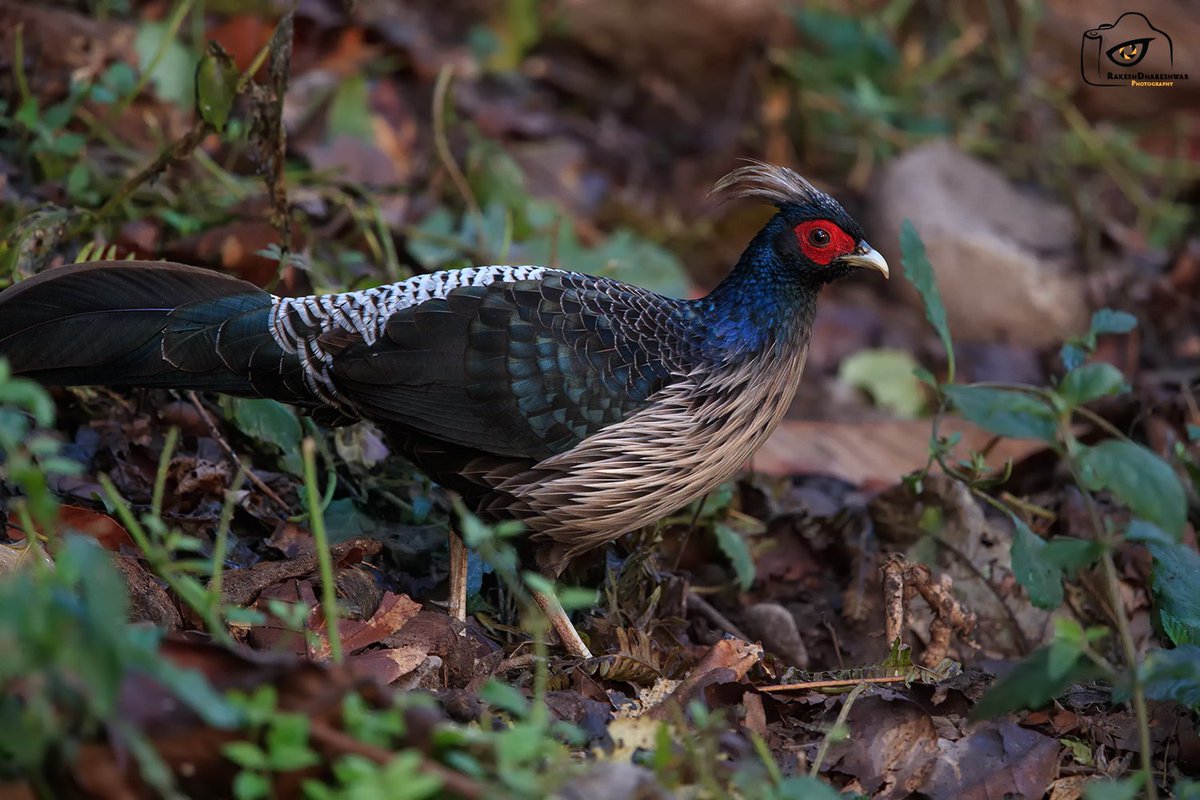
(707, 611)
(949, 614)
(233, 456)
(523, 661)
(832, 683)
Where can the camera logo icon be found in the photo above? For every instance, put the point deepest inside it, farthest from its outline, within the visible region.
(1128, 52)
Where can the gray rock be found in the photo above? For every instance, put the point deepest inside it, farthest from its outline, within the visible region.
(776, 628)
(607, 780)
(1004, 257)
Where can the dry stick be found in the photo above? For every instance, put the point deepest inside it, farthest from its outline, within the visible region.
(180, 149)
(716, 617)
(893, 598)
(280, 49)
(523, 661)
(688, 536)
(229, 451)
(832, 683)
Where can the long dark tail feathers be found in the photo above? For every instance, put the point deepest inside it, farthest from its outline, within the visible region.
(145, 323)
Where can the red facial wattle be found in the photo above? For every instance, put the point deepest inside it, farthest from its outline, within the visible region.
(822, 241)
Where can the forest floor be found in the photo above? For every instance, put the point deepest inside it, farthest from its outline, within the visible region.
(964, 566)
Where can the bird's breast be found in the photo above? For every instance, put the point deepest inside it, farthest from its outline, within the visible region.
(696, 434)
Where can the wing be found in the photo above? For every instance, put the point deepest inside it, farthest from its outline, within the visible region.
(525, 369)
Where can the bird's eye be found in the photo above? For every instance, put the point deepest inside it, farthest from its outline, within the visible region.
(822, 240)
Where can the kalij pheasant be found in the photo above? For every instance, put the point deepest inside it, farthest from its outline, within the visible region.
(583, 406)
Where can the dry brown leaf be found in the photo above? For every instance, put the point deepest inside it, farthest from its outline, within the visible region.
(387, 666)
(727, 661)
(394, 611)
(636, 659)
(148, 600)
(104, 529)
(997, 759)
(240, 587)
(1068, 788)
(872, 452)
(896, 751)
(13, 557)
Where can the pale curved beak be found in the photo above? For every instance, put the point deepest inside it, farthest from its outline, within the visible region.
(866, 256)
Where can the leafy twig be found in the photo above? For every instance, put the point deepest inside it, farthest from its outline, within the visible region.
(1128, 648)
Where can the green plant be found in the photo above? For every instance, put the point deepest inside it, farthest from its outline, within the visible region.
(278, 743)
(29, 453)
(175, 557)
(66, 649)
(1127, 473)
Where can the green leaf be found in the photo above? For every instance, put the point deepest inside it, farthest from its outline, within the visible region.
(272, 422)
(1104, 789)
(174, 73)
(1039, 565)
(505, 697)
(1042, 581)
(251, 786)
(350, 111)
(805, 787)
(287, 743)
(572, 597)
(216, 86)
(1005, 413)
(735, 549)
(627, 256)
(78, 179)
(1186, 789)
(519, 745)
(1106, 320)
(1033, 683)
(345, 520)
(1072, 355)
(1139, 479)
(919, 273)
(246, 755)
(889, 376)
(1173, 675)
(435, 240)
(1070, 554)
(1089, 382)
(1175, 583)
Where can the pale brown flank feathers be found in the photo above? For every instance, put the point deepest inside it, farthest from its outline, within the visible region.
(698, 433)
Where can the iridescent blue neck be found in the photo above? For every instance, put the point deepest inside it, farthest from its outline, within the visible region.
(762, 304)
